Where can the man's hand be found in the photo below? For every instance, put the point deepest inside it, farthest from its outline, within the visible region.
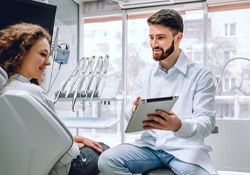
(163, 121)
(135, 103)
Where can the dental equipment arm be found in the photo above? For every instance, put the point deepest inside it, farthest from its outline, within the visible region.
(80, 67)
(102, 73)
(92, 75)
(74, 73)
(80, 84)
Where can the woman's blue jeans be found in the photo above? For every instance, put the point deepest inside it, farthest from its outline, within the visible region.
(127, 159)
(86, 162)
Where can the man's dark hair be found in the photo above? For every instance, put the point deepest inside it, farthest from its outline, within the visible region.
(169, 18)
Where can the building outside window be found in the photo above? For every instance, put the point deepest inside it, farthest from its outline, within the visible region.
(229, 84)
(228, 111)
(230, 29)
(230, 54)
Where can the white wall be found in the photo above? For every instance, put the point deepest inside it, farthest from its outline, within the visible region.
(231, 146)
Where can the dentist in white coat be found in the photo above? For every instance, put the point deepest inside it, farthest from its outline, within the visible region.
(176, 140)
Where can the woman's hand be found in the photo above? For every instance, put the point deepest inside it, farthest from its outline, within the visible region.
(83, 141)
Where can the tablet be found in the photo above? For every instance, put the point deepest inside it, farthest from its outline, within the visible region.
(148, 106)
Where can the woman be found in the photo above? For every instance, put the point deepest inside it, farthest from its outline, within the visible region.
(24, 55)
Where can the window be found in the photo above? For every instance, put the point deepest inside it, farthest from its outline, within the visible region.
(230, 54)
(206, 41)
(229, 84)
(103, 37)
(228, 111)
(195, 55)
(230, 29)
(225, 49)
(139, 51)
(192, 28)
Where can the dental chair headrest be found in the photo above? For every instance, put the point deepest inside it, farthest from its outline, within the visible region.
(3, 77)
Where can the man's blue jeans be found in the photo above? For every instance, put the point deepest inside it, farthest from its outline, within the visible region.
(127, 159)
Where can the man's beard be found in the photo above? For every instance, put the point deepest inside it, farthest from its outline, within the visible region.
(165, 54)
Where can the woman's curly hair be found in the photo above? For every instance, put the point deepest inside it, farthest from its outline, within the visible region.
(15, 42)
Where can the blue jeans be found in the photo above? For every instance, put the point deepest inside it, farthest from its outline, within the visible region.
(127, 159)
(86, 162)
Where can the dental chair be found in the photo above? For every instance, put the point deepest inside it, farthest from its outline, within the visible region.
(32, 138)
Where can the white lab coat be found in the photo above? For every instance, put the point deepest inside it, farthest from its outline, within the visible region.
(195, 107)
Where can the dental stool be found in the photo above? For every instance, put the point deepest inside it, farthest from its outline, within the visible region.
(159, 171)
(32, 138)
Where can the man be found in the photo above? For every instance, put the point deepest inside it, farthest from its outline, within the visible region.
(177, 139)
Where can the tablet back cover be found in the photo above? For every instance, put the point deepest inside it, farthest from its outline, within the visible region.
(148, 106)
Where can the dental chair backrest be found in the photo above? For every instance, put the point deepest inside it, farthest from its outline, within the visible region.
(32, 139)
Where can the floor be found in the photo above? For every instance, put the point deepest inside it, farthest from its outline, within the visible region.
(232, 173)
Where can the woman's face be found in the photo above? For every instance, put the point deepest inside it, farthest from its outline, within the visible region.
(36, 60)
